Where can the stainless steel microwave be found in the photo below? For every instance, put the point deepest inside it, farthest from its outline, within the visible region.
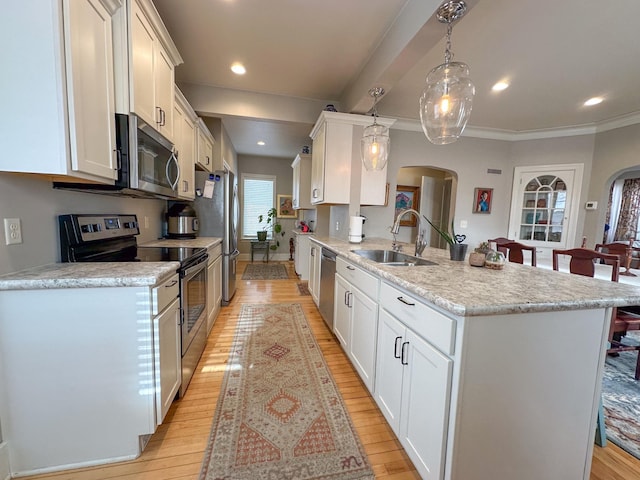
(147, 164)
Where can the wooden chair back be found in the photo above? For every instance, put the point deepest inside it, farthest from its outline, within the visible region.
(499, 242)
(621, 249)
(583, 263)
(583, 260)
(515, 252)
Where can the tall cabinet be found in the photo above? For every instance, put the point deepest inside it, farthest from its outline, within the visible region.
(58, 65)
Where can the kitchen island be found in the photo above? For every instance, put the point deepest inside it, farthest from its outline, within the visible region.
(476, 369)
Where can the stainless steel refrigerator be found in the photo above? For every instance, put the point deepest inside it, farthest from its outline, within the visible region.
(218, 217)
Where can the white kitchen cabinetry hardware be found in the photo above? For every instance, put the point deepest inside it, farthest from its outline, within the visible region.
(106, 360)
(413, 384)
(337, 174)
(214, 285)
(204, 158)
(315, 257)
(302, 181)
(356, 317)
(49, 70)
(184, 146)
(153, 58)
(303, 252)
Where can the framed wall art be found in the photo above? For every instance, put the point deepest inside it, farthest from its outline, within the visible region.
(285, 207)
(482, 198)
(407, 197)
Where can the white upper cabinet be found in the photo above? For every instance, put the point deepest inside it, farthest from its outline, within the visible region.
(204, 158)
(337, 174)
(185, 146)
(153, 57)
(58, 81)
(302, 181)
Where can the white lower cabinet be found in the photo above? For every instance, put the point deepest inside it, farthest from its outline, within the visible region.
(315, 257)
(413, 381)
(303, 252)
(214, 285)
(355, 318)
(105, 360)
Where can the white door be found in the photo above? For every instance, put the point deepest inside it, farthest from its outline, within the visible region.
(425, 405)
(362, 350)
(166, 332)
(544, 205)
(388, 388)
(343, 301)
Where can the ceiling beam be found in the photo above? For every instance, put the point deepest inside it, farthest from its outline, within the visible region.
(413, 33)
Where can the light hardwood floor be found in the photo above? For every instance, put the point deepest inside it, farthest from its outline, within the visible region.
(175, 451)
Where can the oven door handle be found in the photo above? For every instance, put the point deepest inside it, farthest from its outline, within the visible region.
(197, 267)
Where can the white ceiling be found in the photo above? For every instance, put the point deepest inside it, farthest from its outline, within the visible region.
(556, 54)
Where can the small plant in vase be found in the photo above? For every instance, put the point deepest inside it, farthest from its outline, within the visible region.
(494, 260)
(270, 220)
(457, 249)
(477, 257)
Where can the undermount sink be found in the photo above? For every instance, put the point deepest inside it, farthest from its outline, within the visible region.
(391, 257)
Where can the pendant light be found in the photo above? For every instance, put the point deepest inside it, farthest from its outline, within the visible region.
(446, 101)
(374, 146)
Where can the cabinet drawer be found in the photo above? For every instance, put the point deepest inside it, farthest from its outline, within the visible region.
(436, 328)
(164, 294)
(358, 277)
(214, 252)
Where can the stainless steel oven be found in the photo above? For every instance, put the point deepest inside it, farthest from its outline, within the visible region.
(193, 304)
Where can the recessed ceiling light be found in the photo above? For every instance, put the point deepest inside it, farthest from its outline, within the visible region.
(593, 101)
(261, 143)
(498, 87)
(238, 69)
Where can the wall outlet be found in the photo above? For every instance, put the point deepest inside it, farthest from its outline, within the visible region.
(12, 231)
(337, 226)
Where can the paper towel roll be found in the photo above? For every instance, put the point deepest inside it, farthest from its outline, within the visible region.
(355, 229)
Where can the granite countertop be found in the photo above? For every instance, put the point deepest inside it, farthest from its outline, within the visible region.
(89, 275)
(198, 242)
(102, 274)
(470, 291)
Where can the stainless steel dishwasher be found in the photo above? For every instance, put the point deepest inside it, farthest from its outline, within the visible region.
(327, 281)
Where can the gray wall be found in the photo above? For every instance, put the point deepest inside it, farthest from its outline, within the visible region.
(281, 168)
(37, 204)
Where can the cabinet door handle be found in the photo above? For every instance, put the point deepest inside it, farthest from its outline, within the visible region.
(405, 302)
(346, 294)
(162, 118)
(171, 284)
(207, 159)
(315, 193)
(349, 267)
(185, 186)
(349, 297)
(395, 348)
(402, 359)
(158, 115)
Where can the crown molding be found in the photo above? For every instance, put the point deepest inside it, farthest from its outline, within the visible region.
(514, 136)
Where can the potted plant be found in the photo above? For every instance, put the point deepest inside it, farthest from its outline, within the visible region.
(477, 257)
(270, 220)
(457, 249)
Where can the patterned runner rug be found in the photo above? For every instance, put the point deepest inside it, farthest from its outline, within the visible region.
(279, 415)
(621, 399)
(303, 288)
(265, 271)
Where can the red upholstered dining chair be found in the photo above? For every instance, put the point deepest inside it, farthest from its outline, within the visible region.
(499, 241)
(515, 252)
(622, 250)
(582, 262)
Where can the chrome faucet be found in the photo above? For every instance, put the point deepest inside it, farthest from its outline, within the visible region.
(421, 243)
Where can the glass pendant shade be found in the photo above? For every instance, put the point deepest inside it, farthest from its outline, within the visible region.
(446, 101)
(374, 147)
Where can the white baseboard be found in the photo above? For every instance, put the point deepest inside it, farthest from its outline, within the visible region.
(5, 473)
